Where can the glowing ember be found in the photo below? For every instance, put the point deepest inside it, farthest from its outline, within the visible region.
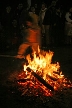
(50, 72)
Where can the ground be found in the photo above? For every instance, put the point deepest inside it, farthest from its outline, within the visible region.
(9, 99)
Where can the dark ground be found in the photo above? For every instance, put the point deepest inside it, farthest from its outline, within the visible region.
(10, 99)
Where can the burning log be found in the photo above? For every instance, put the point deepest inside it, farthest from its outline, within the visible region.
(57, 73)
(41, 79)
(23, 80)
(52, 78)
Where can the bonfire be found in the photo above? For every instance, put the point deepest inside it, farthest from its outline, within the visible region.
(41, 76)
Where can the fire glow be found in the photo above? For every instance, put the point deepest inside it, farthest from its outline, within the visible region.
(42, 66)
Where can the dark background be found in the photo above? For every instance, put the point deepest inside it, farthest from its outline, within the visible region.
(9, 65)
(65, 3)
(13, 3)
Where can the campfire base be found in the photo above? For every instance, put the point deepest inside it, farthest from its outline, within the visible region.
(32, 87)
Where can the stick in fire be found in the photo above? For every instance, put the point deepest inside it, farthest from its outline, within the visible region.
(40, 79)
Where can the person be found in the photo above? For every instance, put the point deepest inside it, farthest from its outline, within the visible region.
(48, 21)
(30, 39)
(23, 17)
(68, 26)
(35, 25)
(57, 27)
(41, 17)
(17, 12)
(36, 9)
(34, 16)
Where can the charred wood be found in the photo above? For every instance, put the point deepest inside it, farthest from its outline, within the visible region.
(52, 78)
(41, 79)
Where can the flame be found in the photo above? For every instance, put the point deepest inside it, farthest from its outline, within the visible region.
(43, 66)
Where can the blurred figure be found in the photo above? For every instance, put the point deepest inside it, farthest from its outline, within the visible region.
(23, 16)
(17, 12)
(34, 16)
(7, 17)
(41, 17)
(29, 3)
(48, 21)
(57, 27)
(15, 33)
(36, 9)
(68, 26)
(35, 25)
(30, 39)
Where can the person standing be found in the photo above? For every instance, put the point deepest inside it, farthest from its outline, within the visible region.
(41, 17)
(68, 26)
(47, 22)
(29, 2)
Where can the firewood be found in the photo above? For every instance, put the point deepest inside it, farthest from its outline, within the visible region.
(58, 73)
(24, 92)
(52, 78)
(23, 80)
(41, 79)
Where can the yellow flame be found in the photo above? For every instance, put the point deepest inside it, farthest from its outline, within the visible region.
(43, 64)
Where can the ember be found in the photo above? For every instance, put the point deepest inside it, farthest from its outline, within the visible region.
(41, 76)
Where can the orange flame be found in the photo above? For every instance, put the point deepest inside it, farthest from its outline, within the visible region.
(43, 65)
